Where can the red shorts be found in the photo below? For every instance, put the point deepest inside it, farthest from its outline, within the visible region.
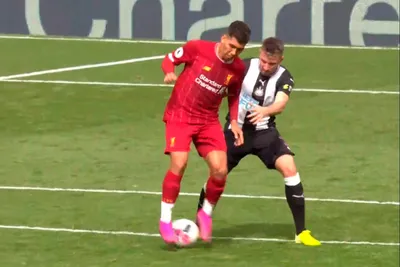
(206, 138)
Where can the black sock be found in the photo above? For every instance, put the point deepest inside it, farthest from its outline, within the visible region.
(201, 199)
(295, 199)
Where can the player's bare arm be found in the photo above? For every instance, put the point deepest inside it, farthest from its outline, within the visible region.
(237, 132)
(258, 112)
(233, 102)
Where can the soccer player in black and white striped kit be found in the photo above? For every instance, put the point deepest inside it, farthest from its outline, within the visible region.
(264, 94)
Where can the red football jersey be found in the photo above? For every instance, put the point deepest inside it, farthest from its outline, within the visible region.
(203, 83)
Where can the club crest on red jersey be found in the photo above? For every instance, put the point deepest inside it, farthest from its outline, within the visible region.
(228, 79)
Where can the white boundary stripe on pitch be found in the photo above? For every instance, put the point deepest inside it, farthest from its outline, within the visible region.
(52, 38)
(80, 67)
(127, 233)
(350, 91)
(81, 190)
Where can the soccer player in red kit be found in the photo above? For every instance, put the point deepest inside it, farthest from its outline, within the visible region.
(212, 71)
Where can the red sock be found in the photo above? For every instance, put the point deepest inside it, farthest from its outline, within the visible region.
(214, 189)
(171, 187)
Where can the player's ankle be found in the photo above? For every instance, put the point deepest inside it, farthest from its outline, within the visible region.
(207, 207)
(300, 230)
(166, 221)
(166, 212)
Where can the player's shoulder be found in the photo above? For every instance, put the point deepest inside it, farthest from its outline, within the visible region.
(198, 44)
(247, 62)
(192, 43)
(241, 64)
(286, 76)
(203, 47)
(286, 73)
(202, 43)
(238, 63)
(206, 42)
(251, 61)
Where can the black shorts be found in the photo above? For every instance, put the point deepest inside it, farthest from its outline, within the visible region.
(266, 144)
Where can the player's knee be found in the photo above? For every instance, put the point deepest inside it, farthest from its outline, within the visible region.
(178, 167)
(289, 171)
(178, 163)
(286, 166)
(219, 172)
(217, 163)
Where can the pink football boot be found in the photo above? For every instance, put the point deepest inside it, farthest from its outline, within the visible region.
(168, 233)
(204, 222)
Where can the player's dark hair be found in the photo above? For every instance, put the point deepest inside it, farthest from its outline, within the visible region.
(273, 45)
(240, 30)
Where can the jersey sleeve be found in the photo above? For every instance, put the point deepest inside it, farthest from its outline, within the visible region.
(285, 83)
(184, 54)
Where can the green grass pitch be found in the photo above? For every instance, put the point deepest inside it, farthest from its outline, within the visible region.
(111, 136)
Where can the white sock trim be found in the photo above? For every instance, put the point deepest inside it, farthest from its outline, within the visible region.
(208, 207)
(292, 180)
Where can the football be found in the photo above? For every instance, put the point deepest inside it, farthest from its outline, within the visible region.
(187, 232)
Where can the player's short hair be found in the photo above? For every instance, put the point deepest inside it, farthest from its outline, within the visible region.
(240, 30)
(273, 46)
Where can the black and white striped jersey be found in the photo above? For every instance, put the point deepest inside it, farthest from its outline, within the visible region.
(261, 90)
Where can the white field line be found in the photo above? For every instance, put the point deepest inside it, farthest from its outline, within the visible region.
(353, 91)
(127, 233)
(80, 67)
(56, 189)
(52, 38)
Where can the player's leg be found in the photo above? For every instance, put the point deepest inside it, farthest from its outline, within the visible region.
(294, 192)
(234, 155)
(210, 143)
(279, 156)
(178, 138)
(293, 189)
(171, 183)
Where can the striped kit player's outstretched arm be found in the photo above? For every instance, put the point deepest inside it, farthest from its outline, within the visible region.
(265, 93)
(212, 71)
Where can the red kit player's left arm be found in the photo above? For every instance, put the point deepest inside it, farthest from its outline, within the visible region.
(233, 97)
(233, 102)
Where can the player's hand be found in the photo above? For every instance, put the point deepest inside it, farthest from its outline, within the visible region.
(237, 133)
(170, 78)
(257, 114)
